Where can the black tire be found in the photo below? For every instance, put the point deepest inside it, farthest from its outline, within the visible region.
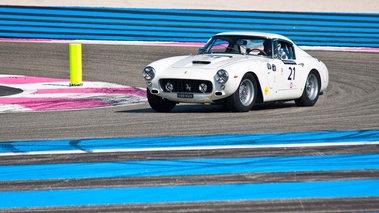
(245, 96)
(311, 90)
(159, 104)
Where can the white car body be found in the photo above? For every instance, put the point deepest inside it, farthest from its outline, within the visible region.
(281, 76)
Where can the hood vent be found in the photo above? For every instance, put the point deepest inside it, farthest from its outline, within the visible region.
(201, 62)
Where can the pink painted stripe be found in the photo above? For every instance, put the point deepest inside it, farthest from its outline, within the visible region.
(128, 91)
(366, 49)
(29, 80)
(36, 40)
(189, 44)
(25, 39)
(40, 104)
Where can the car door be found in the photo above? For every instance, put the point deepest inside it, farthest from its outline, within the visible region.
(287, 66)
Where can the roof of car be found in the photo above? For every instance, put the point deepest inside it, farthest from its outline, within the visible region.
(260, 34)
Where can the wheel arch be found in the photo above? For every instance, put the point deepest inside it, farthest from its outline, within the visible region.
(259, 92)
(318, 77)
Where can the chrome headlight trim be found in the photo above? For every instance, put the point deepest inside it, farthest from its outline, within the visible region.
(148, 73)
(222, 76)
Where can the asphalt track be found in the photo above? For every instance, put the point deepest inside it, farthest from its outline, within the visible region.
(350, 103)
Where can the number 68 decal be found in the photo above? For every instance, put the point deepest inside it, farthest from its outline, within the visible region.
(292, 74)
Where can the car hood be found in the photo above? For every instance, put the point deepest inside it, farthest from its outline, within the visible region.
(210, 61)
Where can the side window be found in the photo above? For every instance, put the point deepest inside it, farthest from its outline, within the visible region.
(285, 50)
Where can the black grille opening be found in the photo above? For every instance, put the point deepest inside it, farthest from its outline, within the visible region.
(185, 85)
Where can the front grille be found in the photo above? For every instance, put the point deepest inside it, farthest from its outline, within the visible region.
(185, 85)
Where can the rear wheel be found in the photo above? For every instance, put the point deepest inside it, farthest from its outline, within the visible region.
(311, 90)
(159, 104)
(244, 98)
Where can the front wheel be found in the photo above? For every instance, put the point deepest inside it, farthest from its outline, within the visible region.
(311, 90)
(243, 99)
(159, 104)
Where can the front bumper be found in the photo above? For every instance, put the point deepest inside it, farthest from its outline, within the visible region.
(191, 97)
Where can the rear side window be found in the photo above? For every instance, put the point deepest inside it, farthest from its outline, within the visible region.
(284, 50)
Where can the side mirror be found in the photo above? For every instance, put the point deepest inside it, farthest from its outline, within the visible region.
(201, 50)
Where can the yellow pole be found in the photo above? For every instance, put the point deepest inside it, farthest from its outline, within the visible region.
(76, 65)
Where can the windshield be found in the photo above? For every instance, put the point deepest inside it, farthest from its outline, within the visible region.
(238, 45)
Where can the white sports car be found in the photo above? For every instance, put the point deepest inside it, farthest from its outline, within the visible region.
(238, 70)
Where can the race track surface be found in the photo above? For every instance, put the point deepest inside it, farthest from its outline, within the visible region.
(351, 102)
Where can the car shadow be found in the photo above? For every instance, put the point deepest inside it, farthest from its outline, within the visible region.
(199, 108)
(271, 106)
(185, 108)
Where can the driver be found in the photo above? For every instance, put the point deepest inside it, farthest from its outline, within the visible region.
(267, 47)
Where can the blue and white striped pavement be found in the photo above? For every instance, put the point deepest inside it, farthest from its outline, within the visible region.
(190, 167)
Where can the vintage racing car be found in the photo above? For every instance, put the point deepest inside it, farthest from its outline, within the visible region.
(238, 70)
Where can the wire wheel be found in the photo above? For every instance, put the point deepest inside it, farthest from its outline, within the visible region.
(312, 87)
(311, 90)
(243, 99)
(246, 92)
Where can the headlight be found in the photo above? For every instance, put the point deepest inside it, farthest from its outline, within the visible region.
(148, 73)
(222, 76)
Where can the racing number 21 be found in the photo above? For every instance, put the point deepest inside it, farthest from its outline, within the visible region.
(292, 74)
